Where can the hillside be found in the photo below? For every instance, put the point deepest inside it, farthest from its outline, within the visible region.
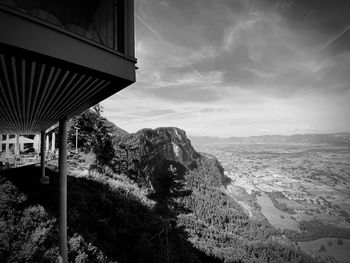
(157, 200)
(147, 154)
(337, 139)
(110, 219)
(114, 129)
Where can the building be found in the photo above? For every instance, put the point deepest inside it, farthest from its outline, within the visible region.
(8, 143)
(57, 59)
(26, 143)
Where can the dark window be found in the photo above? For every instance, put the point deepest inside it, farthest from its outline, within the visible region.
(98, 20)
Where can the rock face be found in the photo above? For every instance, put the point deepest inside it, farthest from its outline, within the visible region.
(149, 153)
(167, 143)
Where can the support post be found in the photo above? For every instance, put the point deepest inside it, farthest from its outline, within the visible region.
(7, 149)
(44, 179)
(47, 143)
(17, 145)
(53, 142)
(76, 140)
(62, 218)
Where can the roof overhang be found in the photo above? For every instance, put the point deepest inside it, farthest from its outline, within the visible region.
(47, 74)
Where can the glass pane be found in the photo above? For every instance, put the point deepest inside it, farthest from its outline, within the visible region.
(99, 20)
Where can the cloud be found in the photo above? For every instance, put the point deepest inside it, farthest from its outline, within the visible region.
(332, 39)
(241, 67)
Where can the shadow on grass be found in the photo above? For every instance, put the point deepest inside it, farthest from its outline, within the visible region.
(113, 221)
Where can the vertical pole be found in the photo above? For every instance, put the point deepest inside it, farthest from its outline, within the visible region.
(42, 154)
(76, 140)
(17, 145)
(127, 159)
(62, 218)
(7, 144)
(53, 142)
(47, 143)
(44, 179)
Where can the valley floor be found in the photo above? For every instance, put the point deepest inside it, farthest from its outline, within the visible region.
(300, 189)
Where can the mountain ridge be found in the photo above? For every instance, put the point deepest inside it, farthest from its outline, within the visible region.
(337, 139)
(150, 153)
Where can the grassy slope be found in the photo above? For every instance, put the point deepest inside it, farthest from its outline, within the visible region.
(109, 219)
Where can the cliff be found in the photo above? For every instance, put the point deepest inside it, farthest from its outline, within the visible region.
(149, 153)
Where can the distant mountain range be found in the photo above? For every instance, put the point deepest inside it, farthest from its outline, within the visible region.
(336, 139)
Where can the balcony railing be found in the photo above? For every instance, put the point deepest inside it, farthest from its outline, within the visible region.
(99, 20)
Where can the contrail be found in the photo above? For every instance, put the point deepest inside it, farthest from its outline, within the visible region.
(162, 40)
(196, 71)
(331, 40)
(149, 27)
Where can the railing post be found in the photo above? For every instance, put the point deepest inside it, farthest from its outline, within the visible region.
(62, 218)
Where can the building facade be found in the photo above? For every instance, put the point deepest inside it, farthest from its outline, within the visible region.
(8, 143)
(60, 57)
(57, 59)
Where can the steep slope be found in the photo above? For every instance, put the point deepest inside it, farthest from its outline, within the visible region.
(113, 129)
(113, 219)
(110, 219)
(147, 154)
(216, 224)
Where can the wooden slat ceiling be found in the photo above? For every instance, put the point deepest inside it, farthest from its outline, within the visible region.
(35, 94)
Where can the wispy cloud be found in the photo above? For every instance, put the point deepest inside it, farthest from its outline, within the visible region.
(332, 39)
(238, 68)
(149, 28)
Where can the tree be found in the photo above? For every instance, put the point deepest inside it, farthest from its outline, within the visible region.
(322, 248)
(169, 186)
(93, 136)
(87, 123)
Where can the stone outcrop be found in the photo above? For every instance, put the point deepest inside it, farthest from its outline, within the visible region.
(148, 153)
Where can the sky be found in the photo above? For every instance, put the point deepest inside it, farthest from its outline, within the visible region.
(239, 68)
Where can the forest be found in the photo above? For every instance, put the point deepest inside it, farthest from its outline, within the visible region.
(112, 218)
(219, 227)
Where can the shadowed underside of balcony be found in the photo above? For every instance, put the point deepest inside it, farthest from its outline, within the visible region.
(37, 91)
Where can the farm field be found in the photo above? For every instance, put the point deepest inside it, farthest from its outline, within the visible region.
(301, 189)
(325, 247)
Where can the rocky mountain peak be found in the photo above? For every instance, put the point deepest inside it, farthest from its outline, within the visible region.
(167, 142)
(148, 153)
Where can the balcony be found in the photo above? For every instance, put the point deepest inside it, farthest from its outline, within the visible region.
(101, 21)
(57, 59)
(60, 57)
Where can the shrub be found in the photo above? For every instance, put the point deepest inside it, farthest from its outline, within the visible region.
(322, 248)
